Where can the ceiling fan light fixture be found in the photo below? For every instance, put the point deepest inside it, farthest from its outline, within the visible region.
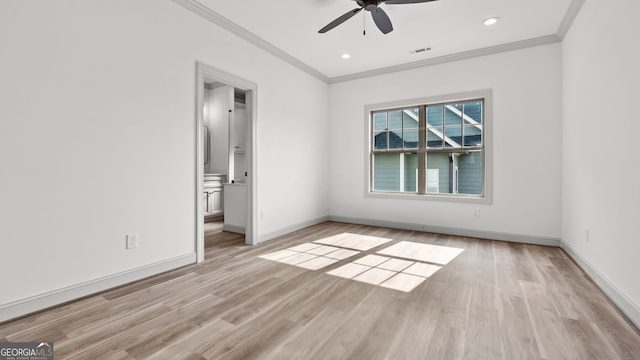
(491, 21)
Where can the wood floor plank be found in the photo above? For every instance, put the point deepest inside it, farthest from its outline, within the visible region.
(347, 338)
(590, 338)
(191, 344)
(55, 314)
(617, 330)
(375, 344)
(481, 341)
(494, 300)
(553, 338)
(145, 283)
(144, 339)
(102, 331)
(311, 336)
(517, 335)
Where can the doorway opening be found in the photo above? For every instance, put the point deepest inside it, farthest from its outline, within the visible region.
(225, 155)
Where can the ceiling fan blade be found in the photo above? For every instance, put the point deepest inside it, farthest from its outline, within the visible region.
(340, 20)
(382, 20)
(393, 2)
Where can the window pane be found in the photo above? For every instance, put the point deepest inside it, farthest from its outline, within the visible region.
(380, 140)
(434, 138)
(386, 172)
(473, 112)
(395, 139)
(395, 172)
(395, 120)
(452, 115)
(453, 136)
(434, 116)
(438, 173)
(410, 119)
(472, 135)
(455, 173)
(414, 111)
(470, 173)
(410, 172)
(380, 121)
(411, 139)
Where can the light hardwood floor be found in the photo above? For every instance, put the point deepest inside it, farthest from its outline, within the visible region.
(495, 300)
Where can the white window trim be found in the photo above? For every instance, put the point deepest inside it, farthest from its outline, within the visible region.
(487, 141)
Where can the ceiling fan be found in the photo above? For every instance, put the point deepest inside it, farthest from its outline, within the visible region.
(380, 18)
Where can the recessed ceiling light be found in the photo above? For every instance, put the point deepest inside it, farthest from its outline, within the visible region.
(491, 21)
(345, 56)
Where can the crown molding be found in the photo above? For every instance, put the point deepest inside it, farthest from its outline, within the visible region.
(523, 44)
(569, 17)
(210, 15)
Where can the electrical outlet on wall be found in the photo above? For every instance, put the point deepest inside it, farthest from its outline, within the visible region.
(132, 241)
(476, 214)
(586, 235)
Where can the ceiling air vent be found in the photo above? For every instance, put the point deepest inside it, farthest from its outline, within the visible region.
(421, 50)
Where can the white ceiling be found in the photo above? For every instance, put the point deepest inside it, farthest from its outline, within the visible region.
(447, 26)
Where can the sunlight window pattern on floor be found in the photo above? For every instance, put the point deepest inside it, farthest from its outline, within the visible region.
(396, 274)
(354, 241)
(310, 256)
(401, 266)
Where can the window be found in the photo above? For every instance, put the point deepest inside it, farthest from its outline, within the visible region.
(435, 147)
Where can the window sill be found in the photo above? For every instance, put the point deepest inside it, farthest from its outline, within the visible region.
(470, 199)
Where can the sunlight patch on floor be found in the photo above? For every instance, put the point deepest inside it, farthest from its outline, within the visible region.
(402, 266)
(390, 273)
(309, 255)
(353, 241)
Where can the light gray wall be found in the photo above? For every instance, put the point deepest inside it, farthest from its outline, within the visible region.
(98, 137)
(600, 61)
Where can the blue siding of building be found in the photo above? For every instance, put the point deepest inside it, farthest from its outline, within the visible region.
(410, 171)
(386, 172)
(470, 173)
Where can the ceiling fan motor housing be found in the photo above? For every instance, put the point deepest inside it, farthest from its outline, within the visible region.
(369, 5)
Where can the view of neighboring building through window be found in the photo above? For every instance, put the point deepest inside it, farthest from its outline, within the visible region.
(429, 149)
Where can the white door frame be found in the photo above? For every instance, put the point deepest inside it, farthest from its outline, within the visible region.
(204, 74)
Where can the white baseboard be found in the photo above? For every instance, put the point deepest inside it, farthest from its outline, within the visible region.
(631, 310)
(32, 304)
(292, 228)
(491, 235)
